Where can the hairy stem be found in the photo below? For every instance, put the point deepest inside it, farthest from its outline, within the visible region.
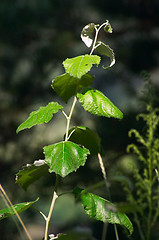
(69, 118)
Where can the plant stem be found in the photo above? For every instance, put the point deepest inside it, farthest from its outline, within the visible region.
(109, 196)
(116, 232)
(96, 36)
(150, 137)
(104, 233)
(55, 196)
(69, 118)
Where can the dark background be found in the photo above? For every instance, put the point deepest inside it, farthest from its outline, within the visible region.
(35, 37)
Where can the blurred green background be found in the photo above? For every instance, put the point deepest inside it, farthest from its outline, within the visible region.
(35, 37)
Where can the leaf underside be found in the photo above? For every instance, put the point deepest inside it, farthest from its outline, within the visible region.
(87, 34)
(30, 173)
(42, 115)
(87, 138)
(104, 49)
(79, 66)
(65, 157)
(97, 103)
(100, 209)
(20, 207)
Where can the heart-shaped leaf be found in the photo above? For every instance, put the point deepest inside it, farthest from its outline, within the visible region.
(78, 66)
(87, 34)
(104, 49)
(65, 157)
(20, 207)
(30, 173)
(101, 209)
(87, 138)
(67, 86)
(42, 115)
(97, 103)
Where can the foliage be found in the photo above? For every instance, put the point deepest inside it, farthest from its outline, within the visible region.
(67, 156)
(102, 209)
(144, 195)
(18, 208)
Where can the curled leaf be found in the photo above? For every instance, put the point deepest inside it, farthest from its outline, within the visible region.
(104, 49)
(107, 27)
(87, 34)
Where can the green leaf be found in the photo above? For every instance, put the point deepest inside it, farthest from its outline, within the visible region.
(78, 66)
(97, 103)
(104, 49)
(87, 138)
(30, 173)
(67, 86)
(65, 157)
(20, 207)
(101, 209)
(87, 34)
(107, 27)
(42, 115)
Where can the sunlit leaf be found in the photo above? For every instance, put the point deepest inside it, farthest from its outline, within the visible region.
(78, 66)
(30, 173)
(87, 138)
(42, 115)
(101, 209)
(65, 157)
(104, 49)
(87, 34)
(97, 103)
(20, 207)
(67, 86)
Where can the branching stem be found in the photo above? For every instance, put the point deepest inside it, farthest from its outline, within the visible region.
(96, 36)
(69, 118)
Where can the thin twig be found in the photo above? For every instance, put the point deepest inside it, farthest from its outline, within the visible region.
(107, 187)
(12, 206)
